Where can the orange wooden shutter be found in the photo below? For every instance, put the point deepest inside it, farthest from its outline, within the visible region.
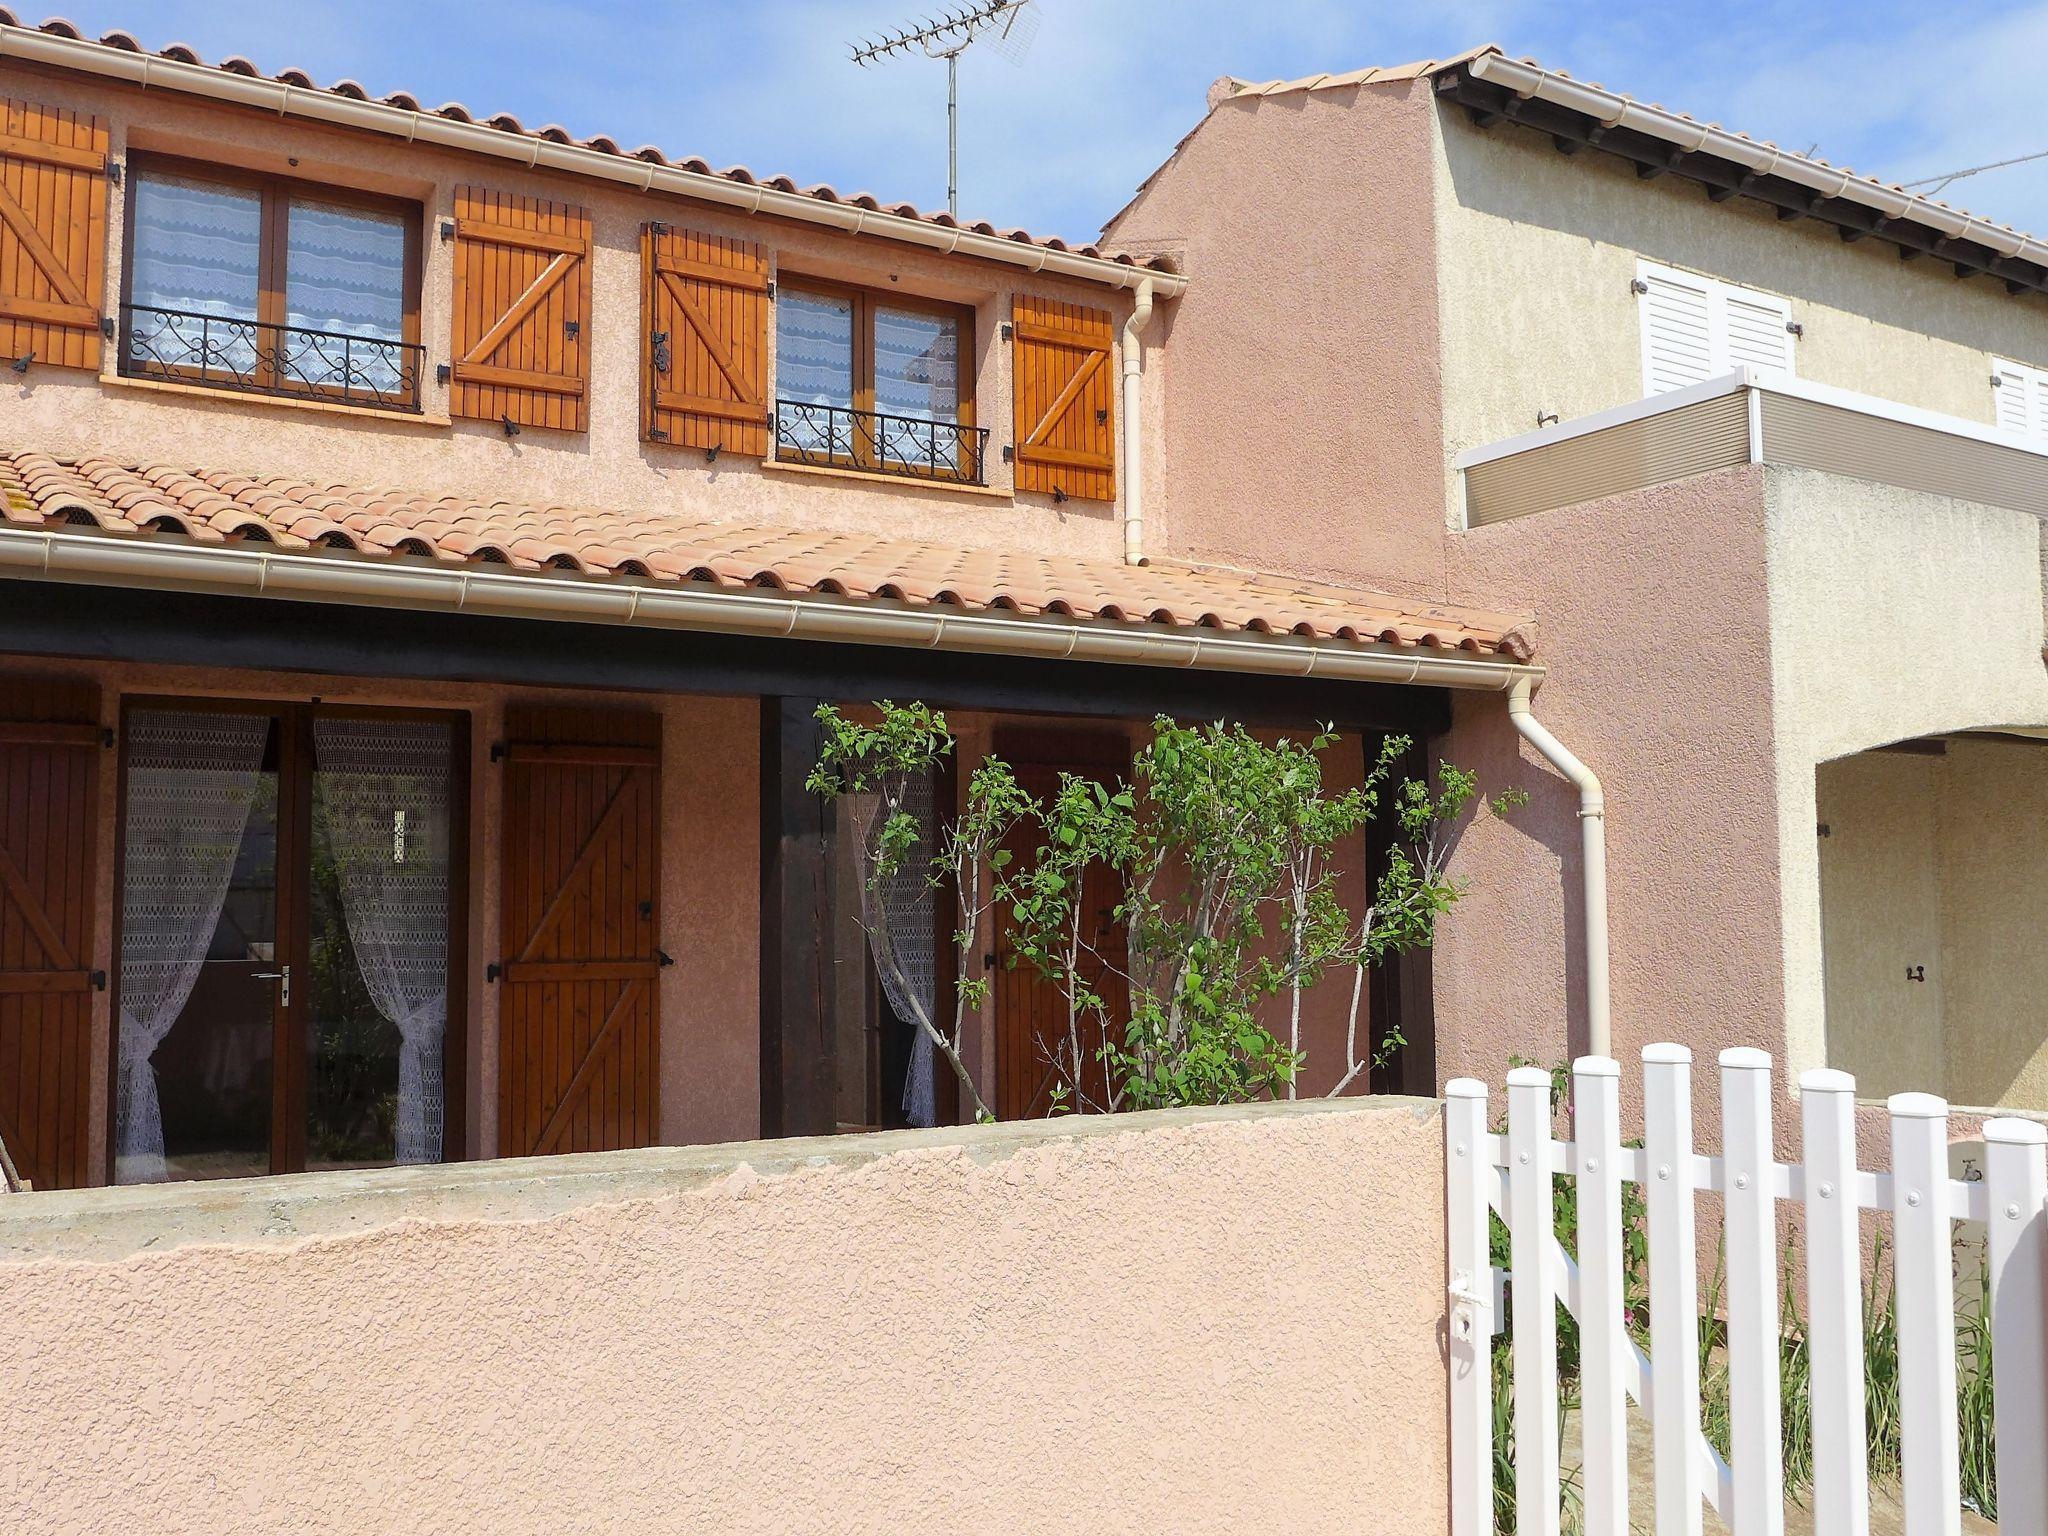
(522, 311)
(49, 815)
(53, 233)
(1062, 359)
(706, 343)
(579, 1011)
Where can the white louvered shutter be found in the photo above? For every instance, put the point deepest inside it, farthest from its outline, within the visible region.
(2016, 391)
(1677, 320)
(1758, 331)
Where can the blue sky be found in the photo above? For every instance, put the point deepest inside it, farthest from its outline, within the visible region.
(1899, 89)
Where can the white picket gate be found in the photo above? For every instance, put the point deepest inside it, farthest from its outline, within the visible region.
(1511, 1176)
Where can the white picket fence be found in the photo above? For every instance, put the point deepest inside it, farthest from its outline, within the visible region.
(1512, 1176)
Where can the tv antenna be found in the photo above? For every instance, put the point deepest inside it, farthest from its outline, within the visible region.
(1938, 183)
(1007, 25)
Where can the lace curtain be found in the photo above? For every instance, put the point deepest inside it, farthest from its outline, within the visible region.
(192, 779)
(905, 907)
(381, 789)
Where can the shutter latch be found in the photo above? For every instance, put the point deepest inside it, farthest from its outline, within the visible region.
(447, 230)
(1637, 285)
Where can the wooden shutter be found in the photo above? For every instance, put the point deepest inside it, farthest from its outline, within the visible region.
(50, 746)
(53, 233)
(705, 346)
(521, 347)
(1678, 347)
(578, 1015)
(1063, 370)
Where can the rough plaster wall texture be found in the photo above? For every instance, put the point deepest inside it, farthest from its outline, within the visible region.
(65, 412)
(1537, 250)
(1893, 614)
(1302, 417)
(1053, 1327)
(1993, 815)
(1881, 914)
(1651, 615)
(711, 850)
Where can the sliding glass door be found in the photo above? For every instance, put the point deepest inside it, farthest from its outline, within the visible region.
(290, 887)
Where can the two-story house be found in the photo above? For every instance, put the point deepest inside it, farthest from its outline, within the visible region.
(1761, 445)
(428, 539)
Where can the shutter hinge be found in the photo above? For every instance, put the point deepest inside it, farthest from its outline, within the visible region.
(656, 435)
(1009, 453)
(493, 971)
(656, 228)
(1638, 286)
(443, 373)
(99, 981)
(107, 737)
(1795, 328)
(113, 171)
(447, 230)
(771, 287)
(1008, 330)
(661, 357)
(497, 751)
(107, 326)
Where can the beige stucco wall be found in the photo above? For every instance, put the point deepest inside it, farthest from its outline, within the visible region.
(67, 412)
(1536, 250)
(710, 851)
(1881, 915)
(1044, 1327)
(1893, 614)
(1938, 861)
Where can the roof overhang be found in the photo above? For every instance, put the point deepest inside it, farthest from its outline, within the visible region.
(311, 104)
(1576, 115)
(163, 563)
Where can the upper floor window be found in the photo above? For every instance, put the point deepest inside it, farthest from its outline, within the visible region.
(2022, 398)
(875, 381)
(1696, 328)
(280, 287)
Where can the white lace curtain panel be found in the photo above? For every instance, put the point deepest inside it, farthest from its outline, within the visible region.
(905, 905)
(381, 793)
(192, 779)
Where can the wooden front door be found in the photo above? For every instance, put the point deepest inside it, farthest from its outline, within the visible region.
(1031, 1011)
(579, 1020)
(50, 746)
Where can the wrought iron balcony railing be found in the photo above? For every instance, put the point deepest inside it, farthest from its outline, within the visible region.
(841, 437)
(224, 352)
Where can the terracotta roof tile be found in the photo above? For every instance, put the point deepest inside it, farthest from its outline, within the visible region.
(505, 122)
(212, 506)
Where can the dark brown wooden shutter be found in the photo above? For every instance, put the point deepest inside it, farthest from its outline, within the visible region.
(1064, 366)
(50, 747)
(579, 1016)
(521, 347)
(706, 341)
(53, 233)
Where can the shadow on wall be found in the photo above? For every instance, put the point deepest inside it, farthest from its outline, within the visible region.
(1933, 876)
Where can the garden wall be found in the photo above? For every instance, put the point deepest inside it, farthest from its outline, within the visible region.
(1195, 1320)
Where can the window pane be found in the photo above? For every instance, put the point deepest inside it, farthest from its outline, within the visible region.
(814, 370)
(382, 791)
(197, 252)
(344, 273)
(199, 960)
(917, 376)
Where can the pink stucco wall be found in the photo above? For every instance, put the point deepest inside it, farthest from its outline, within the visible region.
(1191, 1322)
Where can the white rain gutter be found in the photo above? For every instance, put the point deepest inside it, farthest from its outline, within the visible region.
(158, 562)
(154, 71)
(1134, 454)
(1615, 111)
(1593, 841)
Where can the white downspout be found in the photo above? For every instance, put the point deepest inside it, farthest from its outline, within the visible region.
(1593, 837)
(1134, 457)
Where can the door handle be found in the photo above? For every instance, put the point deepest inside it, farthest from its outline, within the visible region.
(283, 977)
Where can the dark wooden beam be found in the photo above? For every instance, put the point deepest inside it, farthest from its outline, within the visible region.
(121, 624)
(798, 1051)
